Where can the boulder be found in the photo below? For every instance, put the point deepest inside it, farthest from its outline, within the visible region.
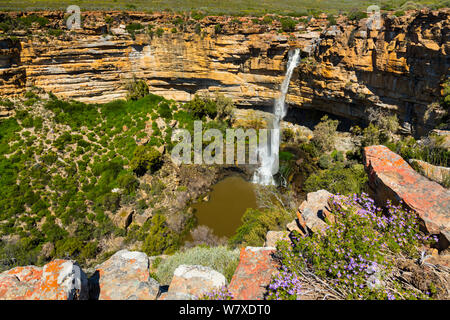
(253, 274)
(313, 211)
(20, 283)
(124, 276)
(273, 236)
(295, 226)
(194, 281)
(392, 178)
(435, 173)
(57, 280)
(123, 218)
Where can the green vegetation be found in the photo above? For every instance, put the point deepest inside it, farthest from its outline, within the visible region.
(431, 151)
(145, 159)
(256, 222)
(132, 28)
(288, 24)
(325, 134)
(137, 89)
(200, 8)
(79, 176)
(338, 179)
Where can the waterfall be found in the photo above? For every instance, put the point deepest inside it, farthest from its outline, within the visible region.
(268, 152)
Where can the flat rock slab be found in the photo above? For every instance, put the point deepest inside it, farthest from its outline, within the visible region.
(124, 276)
(253, 274)
(57, 280)
(193, 281)
(391, 177)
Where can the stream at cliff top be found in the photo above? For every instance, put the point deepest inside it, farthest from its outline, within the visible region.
(228, 201)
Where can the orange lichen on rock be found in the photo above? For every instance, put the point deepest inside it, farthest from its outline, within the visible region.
(253, 274)
(392, 178)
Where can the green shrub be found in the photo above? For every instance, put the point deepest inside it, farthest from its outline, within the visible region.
(256, 223)
(220, 259)
(288, 24)
(137, 89)
(325, 133)
(338, 180)
(331, 20)
(146, 158)
(325, 161)
(160, 238)
(128, 182)
(133, 27)
(202, 107)
(197, 15)
(159, 32)
(356, 15)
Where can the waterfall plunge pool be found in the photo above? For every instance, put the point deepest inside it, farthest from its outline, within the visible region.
(227, 203)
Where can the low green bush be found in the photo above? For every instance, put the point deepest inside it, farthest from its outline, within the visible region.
(338, 180)
(256, 223)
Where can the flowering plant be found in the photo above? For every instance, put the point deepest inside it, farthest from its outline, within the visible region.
(217, 294)
(355, 254)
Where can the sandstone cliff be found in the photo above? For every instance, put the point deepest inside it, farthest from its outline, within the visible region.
(346, 68)
(399, 67)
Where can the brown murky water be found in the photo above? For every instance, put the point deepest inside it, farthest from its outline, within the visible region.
(228, 201)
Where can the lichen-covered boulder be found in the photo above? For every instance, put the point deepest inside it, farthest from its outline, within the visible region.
(20, 283)
(124, 276)
(391, 177)
(253, 274)
(192, 281)
(312, 212)
(57, 280)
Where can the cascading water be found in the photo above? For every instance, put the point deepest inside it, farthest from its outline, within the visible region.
(269, 152)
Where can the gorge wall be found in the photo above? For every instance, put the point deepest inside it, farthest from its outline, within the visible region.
(346, 68)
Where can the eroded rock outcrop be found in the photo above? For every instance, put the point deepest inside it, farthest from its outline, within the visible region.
(399, 67)
(57, 280)
(436, 173)
(391, 178)
(312, 212)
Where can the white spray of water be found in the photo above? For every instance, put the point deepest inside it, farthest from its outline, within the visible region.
(269, 152)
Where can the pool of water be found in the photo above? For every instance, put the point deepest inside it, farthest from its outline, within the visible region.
(227, 202)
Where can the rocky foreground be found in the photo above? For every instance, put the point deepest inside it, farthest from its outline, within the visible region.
(126, 275)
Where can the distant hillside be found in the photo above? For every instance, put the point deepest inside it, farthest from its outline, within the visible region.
(237, 7)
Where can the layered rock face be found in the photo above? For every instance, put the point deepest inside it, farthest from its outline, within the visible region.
(391, 178)
(399, 67)
(351, 66)
(246, 62)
